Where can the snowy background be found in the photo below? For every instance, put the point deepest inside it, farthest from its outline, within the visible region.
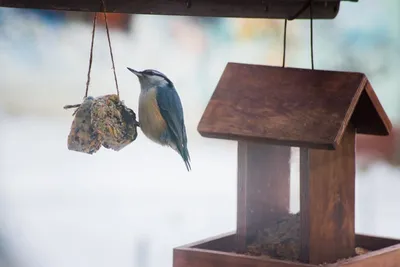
(60, 208)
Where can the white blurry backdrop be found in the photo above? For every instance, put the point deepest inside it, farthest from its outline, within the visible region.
(130, 208)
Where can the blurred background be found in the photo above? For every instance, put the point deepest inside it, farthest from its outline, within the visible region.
(130, 208)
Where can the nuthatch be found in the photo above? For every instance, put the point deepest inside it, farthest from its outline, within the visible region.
(160, 112)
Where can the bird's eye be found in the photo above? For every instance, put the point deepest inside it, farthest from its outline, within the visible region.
(149, 72)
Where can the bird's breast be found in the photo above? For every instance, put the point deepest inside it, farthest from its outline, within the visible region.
(151, 121)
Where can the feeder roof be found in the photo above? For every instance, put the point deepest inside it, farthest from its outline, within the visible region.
(322, 9)
(294, 107)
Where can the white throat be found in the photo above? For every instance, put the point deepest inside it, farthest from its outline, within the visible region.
(146, 83)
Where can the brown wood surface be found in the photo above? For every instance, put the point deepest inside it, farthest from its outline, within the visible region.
(204, 257)
(327, 9)
(288, 106)
(387, 257)
(225, 242)
(263, 188)
(188, 257)
(374, 243)
(327, 202)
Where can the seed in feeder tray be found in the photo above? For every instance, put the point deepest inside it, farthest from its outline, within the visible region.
(103, 121)
(361, 251)
(281, 240)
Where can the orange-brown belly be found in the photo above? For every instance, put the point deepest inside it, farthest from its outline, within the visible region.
(151, 121)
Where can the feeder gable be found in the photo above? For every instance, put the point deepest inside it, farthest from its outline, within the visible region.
(295, 107)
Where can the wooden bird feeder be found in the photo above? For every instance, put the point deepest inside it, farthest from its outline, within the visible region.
(267, 110)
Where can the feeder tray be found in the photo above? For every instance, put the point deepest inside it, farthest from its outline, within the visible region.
(268, 110)
(281, 240)
(102, 121)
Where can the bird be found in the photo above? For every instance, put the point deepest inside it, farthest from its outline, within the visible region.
(161, 117)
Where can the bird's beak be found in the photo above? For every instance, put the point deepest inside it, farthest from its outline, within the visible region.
(137, 73)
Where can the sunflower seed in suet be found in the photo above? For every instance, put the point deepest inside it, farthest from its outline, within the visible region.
(83, 137)
(103, 121)
(114, 122)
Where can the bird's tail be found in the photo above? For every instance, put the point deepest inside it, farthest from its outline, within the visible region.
(184, 152)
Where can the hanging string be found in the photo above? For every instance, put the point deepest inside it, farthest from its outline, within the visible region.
(284, 44)
(311, 35)
(298, 13)
(90, 66)
(91, 55)
(109, 45)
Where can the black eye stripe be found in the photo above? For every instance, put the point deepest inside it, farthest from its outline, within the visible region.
(156, 73)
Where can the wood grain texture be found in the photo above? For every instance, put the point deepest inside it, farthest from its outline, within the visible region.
(375, 243)
(191, 257)
(327, 202)
(224, 242)
(263, 188)
(387, 257)
(292, 107)
(200, 254)
(322, 9)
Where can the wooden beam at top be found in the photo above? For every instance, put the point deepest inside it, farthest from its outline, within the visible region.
(276, 9)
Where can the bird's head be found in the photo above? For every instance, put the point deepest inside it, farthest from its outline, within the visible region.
(151, 78)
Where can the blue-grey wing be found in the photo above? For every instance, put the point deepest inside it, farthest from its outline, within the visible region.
(171, 109)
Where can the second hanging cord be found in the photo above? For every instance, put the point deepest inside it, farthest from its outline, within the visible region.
(310, 5)
(109, 45)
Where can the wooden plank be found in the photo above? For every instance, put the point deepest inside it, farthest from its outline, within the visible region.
(288, 106)
(263, 188)
(185, 257)
(224, 242)
(387, 257)
(322, 9)
(207, 243)
(327, 202)
(374, 242)
(309, 105)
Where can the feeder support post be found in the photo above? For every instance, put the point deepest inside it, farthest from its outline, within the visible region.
(327, 202)
(263, 188)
